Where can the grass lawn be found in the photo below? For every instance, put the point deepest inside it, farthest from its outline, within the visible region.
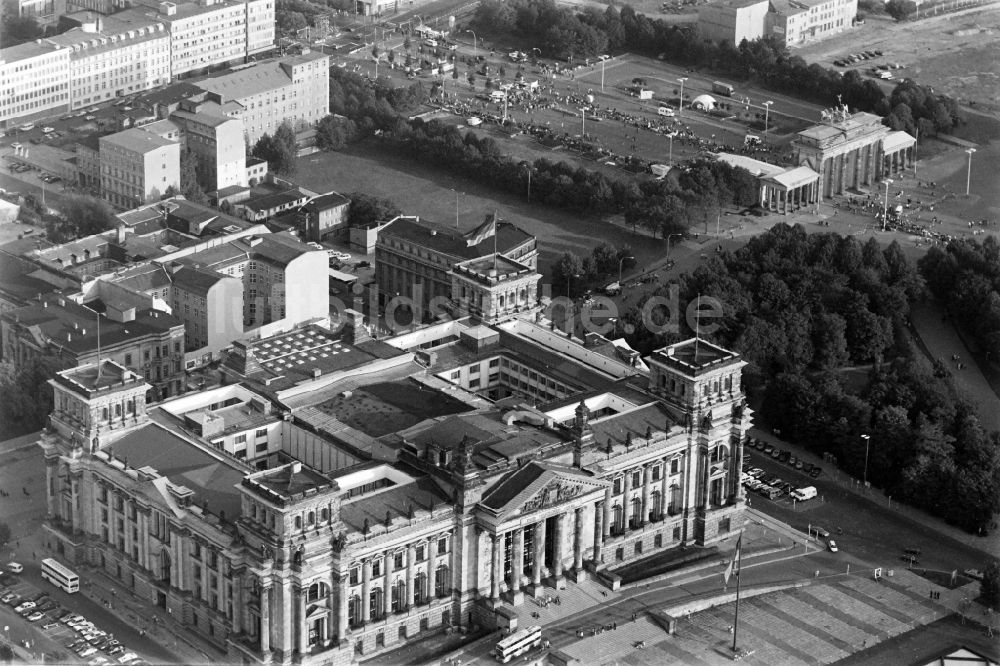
(435, 195)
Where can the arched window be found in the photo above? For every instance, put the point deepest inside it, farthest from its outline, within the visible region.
(442, 586)
(420, 588)
(105, 414)
(317, 591)
(324, 515)
(399, 596)
(298, 522)
(617, 517)
(118, 409)
(655, 506)
(312, 518)
(376, 606)
(636, 514)
(165, 566)
(354, 610)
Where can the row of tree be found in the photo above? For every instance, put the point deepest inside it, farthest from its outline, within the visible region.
(965, 276)
(573, 274)
(765, 60)
(801, 310)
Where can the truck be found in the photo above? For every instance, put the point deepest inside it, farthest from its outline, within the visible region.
(723, 88)
(613, 289)
(659, 170)
(803, 494)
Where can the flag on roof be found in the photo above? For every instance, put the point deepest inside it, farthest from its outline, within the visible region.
(482, 232)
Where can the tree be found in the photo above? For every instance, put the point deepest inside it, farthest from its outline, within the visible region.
(365, 210)
(190, 185)
(278, 150)
(567, 271)
(333, 132)
(900, 9)
(989, 587)
(25, 394)
(19, 29)
(290, 22)
(4, 533)
(86, 215)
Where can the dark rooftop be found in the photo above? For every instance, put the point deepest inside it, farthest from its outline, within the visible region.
(328, 200)
(450, 242)
(197, 280)
(16, 281)
(96, 377)
(269, 201)
(212, 480)
(290, 480)
(421, 494)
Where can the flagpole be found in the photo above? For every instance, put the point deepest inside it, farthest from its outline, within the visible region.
(697, 327)
(739, 566)
(496, 232)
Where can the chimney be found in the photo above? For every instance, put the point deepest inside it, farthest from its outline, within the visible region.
(354, 327)
(296, 467)
(120, 234)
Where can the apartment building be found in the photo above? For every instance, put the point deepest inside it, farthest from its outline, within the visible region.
(137, 167)
(44, 12)
(34, 82)
(296, 88)
(217, 143)
(110, 58)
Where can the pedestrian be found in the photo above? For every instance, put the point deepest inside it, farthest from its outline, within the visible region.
(615, 625)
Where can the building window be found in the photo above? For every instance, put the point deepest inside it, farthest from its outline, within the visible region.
(420, 554)
(442, 545)
(397, 561)
(377, 568)
(241, 439)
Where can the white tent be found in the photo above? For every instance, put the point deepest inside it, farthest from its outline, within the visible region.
(8, 211)
(703, 103)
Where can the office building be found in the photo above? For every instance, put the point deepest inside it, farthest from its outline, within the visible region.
(34, 82)
(800, 21)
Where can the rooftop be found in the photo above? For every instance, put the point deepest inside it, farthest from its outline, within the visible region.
(72, 327)
(269, 201)
(324, 201)
(137, 140)
(16, 281)
(853, 124)
(212, 479)
(756, 167)
(450, 242)
(263, 77)
(197, 280)
(492, 268)
(96, 377)
(288, 481)
(26, 51)
(694, 356)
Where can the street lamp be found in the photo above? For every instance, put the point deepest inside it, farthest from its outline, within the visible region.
(767, 109)
(527, 168)
(569, 280)
(680, 103)
(671, 137)
(867, 439)
(668, 241)
(583, 126)
(620, 262)
(885, 207)
(968, 175)
(474, 50)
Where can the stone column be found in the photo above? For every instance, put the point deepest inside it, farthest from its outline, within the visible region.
(303, 632)
(497, 567)
(517, 567)
(265, 620)
(606, 521)
(410, 576)
(626, 499)
(647, 473)
(598, 530)
(386, 585)
(558, 581)
(342, 615)
(366, 591)
(579, 575)
(536, 569)
(664, 500)
(431, 571)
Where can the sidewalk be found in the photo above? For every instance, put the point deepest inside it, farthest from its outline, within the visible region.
(989, 545)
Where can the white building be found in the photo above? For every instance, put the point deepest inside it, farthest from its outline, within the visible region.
(34, 82)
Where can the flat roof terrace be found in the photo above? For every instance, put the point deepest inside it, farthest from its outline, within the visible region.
(382, 408)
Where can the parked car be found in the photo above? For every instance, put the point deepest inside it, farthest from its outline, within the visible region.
(83, 653)
(783, 456)
(768, 450)
(815, 472)
(14, 567)
(832, 545)
(35, 617)
(24, 605)
(10, 598)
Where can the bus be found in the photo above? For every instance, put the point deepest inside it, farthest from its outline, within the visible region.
(518, 643)
(60, 576)
(721, 88)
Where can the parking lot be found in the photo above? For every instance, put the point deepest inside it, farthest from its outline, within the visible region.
(69, 630)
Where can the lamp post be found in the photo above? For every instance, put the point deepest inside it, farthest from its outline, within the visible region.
(680, 102)
(669, 236)
(527, 168)
(583, 126)
(671, 137)
(867, 439)
(474, 50)
(767, 110)
(968, 174)
(602, 74)
(885, 206)
(569, 280)
(620, 262)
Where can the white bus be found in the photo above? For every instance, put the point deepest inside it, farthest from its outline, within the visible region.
(518, 643)
(60, 576)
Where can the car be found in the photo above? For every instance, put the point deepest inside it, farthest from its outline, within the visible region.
(27, 127)
(14, 567)
(24, 605)
(50, 626)
(453, 47)
(126, 108)
(878, 53)
(819, 532)
(911, 560)
(776, 453)
(47, 129)
(832, 545)
(760, 445)
(128, 658)
(71, 617)
(872, 54)
(799, 464)
(792, 460)
(88, 117)
(47, 605)
(768, 450)
(342, 256)
(363, 264)
(83, 653)
(99, 660)
(80, 114)
(35, 617)
(815, 472)
(10, 598)
(24, 612)
(115, 649)
(784, 456)
(92, 109)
